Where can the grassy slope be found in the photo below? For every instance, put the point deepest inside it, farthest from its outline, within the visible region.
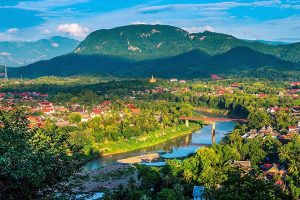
(151, 139)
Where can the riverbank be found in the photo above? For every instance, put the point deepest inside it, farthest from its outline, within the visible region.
(212, 110)
(155, 138)
(106, 178)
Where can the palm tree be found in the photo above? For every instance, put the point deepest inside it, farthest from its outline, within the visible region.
(145, 197)
(293, 167)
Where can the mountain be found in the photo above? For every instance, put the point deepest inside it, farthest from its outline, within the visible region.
(166, 51)
(24, 53)
(143, 42)
(196, 64)
(272, 42)
(193, 64)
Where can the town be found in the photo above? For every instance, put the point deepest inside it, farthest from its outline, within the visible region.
(118, 117)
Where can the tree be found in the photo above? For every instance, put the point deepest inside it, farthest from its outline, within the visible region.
(166, 194)
(289, 154)
(33, 161)
(74, 117)
(246, 186)
(258, 119)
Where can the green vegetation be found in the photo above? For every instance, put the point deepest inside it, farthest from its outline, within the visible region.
(98, 116)
(166, 51)
(151, 139)
(33, 161)
(174, 41)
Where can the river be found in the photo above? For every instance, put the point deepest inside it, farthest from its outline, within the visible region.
(176, 148)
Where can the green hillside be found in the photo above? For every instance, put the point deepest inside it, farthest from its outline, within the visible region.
(166, 51)
(140, 42)
(193, 64)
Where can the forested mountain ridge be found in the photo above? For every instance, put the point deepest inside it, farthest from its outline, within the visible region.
(140, 42)
(166, 51)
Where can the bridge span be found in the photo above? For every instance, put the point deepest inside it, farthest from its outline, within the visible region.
(211, 120)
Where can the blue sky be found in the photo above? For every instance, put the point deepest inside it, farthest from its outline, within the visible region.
(263, 20)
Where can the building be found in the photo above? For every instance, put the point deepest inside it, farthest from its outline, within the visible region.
(245, 165)
(198, 192)
(173, 80)
(294, 84)
(215, 77)
(273, 169)
(152, 79)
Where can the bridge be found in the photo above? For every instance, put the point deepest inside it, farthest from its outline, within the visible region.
(212, 120)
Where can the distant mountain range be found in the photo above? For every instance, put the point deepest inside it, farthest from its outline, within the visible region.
(23, 53)
(167, 51)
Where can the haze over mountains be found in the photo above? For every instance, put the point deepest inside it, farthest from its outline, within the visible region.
(23, 53)
(167, 51)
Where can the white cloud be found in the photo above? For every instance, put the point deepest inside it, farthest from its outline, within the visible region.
(44, 5)
(12, 30)
(220, 6)
(73, 29)
(138, 22)
(195, 29)
(142, 22)
(5, 54)
(209, 28)
(46, 31)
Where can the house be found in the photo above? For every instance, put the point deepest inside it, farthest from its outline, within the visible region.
(130, 106)
(235, 85)
(2, 95)
(105, 104)
(245, 165)
(173, 80)
(45, 104)
(182, 81)
(135, 111)
(34, 121)
(48, 110)
(293, 129)
(295, 109)
(272, 170)
(261, 95)
(294, 84)
(273, 110)
(96, 112)
(263, 132)
(251, 134)
(85, 117)
(44, 95)
(215, 77)
(198, 193)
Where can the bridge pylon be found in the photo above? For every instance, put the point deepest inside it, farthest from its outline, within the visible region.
(187, 122)
(213, 133)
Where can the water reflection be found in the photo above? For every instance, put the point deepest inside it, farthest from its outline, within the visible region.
(179, 147)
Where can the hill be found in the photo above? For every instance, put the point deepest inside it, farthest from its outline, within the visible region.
(23, 53)
(144, 42)
(166, 51)
(193, 64)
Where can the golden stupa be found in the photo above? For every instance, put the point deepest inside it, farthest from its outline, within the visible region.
(152, 79)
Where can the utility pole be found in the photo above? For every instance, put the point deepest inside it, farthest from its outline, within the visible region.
(5, 73)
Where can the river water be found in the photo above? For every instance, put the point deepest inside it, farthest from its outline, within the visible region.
(176, 148)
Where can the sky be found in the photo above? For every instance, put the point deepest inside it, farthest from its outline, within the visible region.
(30, 20)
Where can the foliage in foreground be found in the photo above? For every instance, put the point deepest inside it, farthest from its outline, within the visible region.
(33, 161)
